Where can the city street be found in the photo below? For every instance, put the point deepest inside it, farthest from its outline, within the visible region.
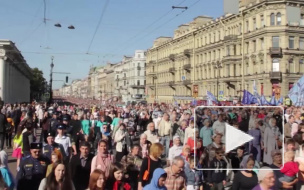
(145, 95)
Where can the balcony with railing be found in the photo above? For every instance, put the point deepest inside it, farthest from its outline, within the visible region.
(137, 86)
(171, 83)
(230, 37)
(275, 75)
(187, 52)
(172, 70)
(172, 57)
(275, 51)
(186, 82)
(152, 73)
(187, 67)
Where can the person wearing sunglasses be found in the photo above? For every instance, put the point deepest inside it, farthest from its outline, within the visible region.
(217, 176)
(32, 169)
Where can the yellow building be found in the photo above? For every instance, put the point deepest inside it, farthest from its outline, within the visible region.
(263, 43)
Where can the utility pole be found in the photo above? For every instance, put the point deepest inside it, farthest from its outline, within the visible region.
(51, 81)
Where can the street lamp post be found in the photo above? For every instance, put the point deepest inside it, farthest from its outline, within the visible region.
(51, 80)
(218, 66)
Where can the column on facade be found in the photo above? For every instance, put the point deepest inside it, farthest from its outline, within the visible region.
(6, 82)
(2, 78)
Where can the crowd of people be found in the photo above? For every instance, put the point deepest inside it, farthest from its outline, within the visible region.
(150, 146)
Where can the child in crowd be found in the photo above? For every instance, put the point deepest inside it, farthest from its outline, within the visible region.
(290, 168)
(158, 180)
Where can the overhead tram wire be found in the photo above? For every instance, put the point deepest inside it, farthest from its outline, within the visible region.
(98, 24)
(67, 53)
(164, 23)
(30, 32)
(154, 22)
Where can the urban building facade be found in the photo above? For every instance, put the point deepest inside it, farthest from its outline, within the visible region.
(264, 43)
(121, 82)
(130, 77)
(15, 74)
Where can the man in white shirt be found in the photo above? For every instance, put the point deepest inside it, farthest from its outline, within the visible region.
(151, 133)
(63, 140)
(164, 131)
(189, 131)
(219, 127)
(157, 120)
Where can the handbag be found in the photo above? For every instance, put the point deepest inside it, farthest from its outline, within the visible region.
(146, 174)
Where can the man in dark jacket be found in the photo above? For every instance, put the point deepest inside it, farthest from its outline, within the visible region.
(3, 123)
(76, 135)
(80, 166)
(32, 169)
(51, 145)
(217, 176)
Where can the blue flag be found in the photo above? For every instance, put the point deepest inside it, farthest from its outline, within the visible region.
(275, 102)
(211, 97)
(256, 94)
(296, 93)
(264, 101)
(249, 98)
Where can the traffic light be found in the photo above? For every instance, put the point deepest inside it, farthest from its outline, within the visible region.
(66, 79)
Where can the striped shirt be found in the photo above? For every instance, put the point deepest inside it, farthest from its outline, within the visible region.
(174, 181)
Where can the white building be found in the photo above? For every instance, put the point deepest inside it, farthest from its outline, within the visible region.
(15, 74)
(130, 77)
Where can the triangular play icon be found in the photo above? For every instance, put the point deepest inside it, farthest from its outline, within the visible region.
(235, 138)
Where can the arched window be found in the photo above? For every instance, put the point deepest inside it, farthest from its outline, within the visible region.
(279, 19)
(272, 19)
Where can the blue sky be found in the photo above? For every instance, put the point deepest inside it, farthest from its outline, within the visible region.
(125, 27)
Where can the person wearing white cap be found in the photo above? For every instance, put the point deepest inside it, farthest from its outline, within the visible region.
(175, 150)
(266, 179)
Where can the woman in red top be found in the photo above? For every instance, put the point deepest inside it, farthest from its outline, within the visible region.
(199, 142)
(116, 179)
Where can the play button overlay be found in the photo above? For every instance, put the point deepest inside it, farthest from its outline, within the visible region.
(235, 138)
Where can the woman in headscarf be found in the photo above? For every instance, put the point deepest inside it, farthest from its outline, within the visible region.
(272, 136)
(103, 159)
(247, 178)
(266, 179)
(158, 180)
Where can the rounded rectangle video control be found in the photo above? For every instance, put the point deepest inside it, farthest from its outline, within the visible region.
(233, 138)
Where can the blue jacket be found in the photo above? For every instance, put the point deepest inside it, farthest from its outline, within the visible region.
(193, 177)
(154, 181)
(8, 177)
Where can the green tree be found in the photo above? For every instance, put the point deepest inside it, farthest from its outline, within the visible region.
(38, 84)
